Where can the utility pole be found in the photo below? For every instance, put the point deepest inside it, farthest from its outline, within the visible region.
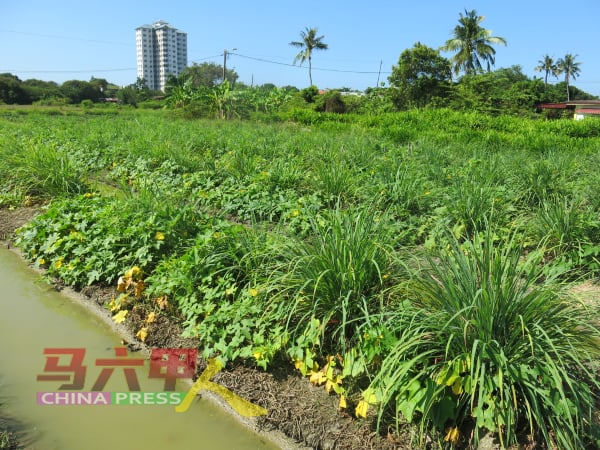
(380, 63)
(225, 61)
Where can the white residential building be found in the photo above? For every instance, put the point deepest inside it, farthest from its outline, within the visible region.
(161, 51)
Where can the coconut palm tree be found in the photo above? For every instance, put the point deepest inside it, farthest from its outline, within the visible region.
(570, 68)
(472, 44)
(309, 42)
(548, 66)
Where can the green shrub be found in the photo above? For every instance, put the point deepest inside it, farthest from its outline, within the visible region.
(219, 287)
(338, 276)
(491, 344)
(39, 168)
(569, 232)
(309, 94)
(331, 102)
(88, 239)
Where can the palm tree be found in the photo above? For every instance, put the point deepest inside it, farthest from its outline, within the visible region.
(570, 68)
(548, 66)
(309, 42)
(472, 44)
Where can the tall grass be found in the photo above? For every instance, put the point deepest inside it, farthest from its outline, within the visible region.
(569, 231)
(470, 204)
(402, 188)
(334, 177)
(490, 344)
(484, 338)
(339, 275)
(40, 169)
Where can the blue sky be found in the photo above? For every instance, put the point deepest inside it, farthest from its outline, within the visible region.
(61, 40)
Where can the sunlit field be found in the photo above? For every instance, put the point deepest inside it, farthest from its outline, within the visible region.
(418, 265)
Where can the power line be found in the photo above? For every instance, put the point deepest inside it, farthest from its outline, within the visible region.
(253, 58)
(264, 60)
(208, 57)
(313, 68)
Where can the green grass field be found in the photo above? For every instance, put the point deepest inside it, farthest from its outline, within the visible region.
(416, 264)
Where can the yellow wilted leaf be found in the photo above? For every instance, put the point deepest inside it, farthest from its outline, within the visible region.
(162, 302)
(361, 409)
(370, 397)
(452, 436)
(122, 285)
(113, 305)
(151, 317)
(133, 272)
(332, 383)
(142, 334)
(120, 316)
(342, 404)
(317, 377)
(139, 288)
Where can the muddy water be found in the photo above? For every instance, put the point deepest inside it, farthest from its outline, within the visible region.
(33, 317)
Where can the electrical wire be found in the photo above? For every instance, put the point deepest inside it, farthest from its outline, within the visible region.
(206, 59)
(313, 68)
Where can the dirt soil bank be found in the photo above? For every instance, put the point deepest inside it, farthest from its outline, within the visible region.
(300, 415)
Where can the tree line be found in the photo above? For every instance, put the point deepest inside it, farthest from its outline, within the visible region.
(421, 78)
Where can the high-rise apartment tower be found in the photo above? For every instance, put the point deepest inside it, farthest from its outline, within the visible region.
(161, 51)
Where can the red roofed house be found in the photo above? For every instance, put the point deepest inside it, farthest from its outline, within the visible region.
(581, 108)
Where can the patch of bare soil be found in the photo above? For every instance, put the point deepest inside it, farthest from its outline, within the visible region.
(588, 292)
(11, 219)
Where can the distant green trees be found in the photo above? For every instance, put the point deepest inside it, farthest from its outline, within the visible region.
(503, 91)
(548, 66)
(15, 91)
(421, 76)
(473, 45)
(77, 91)
(567, 66)
(11, 90)
(207, 74)
(135, 93)
(421, 80)
(38, 90)
(570, 68)
(310, 42)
